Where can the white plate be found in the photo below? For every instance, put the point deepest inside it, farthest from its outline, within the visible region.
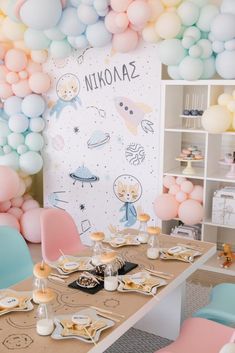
(73, 260)
(87, 312)
(153, 291)
(8, 295)
(124, 241)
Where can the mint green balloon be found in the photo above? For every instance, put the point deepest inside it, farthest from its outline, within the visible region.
(188, 13)
(4, 129)
(191, 69)
(208, 68)
(60, 49)
(181, 32)
(195, 51)
(199, 3)
(54, 34)
(173, 72)
(171, 51)
(193, 32)
(36, 40)
(206, 47)
(7, 149)
(30, 162)
(34, 141)
(10, 160)
(188, 42)
(207, 14)
(3, 140)
(1, 151)
(15, 139)
(22, 149)
(37, 124)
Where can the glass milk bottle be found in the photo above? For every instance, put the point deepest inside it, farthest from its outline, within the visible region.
(111, 271)
(143, 234)
(44, 314)
(98, 249)
(153, 242)
(41, 272)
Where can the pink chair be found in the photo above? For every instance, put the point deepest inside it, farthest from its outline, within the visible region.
(58, 232)
(200, 335)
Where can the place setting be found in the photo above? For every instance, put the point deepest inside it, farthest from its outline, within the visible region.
(12, 301)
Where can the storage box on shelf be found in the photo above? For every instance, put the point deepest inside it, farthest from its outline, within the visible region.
(209, 172)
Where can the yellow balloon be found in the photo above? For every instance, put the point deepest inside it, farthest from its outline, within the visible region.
(231, 106)
(13, 30)
(39, 56)
(149, 34)
(168, 25)
(171, 2)
(156, 9)
(21, 45)
(224, 99)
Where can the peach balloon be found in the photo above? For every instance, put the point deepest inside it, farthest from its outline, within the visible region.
(22, 189)
(2, 51)
(5, 206)
(190, 212)
(27, 197)
(16, 212)
(21, 88)
(39, 82)
(186, 186)
(5, 90)
(181, 196)
(15, 60)
(166, 207)
(180, 180)
(33, 67)
(39, 56)
(138, 12)
(156, 9)
(120, 5)
(197, 193)
(110, 22)
(12, 77)
(7, 219)
(9, 183)
(17, 201)
(29, 205)
(125, 41)
(30, 225)
(168, 180)
(3, 72)
(174, 189)
(122, 20)
(23, 74)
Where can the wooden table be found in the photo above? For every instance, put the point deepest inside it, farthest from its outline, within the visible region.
(18, 333)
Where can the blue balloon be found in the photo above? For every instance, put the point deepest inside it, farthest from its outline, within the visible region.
(33, 105)
(12, 105)
(36, 40)
(98, 35)
(54, 34)
(70, 23)
(60, 49)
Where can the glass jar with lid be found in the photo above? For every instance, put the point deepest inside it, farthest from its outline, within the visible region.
(153, 242)
(41, 272)
(111, 271)
(98, 249)
(44, 314)
(143, 234)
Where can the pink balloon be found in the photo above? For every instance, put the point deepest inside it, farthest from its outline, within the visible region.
(180, 180)
(5, 90)
(110, 23)
(5, 206)
(2, 51)
(168, 180)
(33, 67)
(190, 212)
(174, 189)
(16, 212)
(122, 20)
(7, 219)
(23, 74)
(15, 60)
(30, 225)
(17, 201)
(9, 183)
(22, 189)
(39, 82)
(181, 196)
(197, 193)
(27, 197)
(125, 41)
(17, 7)
(186, 186)
(3, 73)
(29, 205)
(120, 5)
(21, 88)
(139, 12)
(166, 207)
(12, 77)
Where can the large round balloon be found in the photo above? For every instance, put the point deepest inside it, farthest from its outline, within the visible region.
(190, 212)
(9, 220)
(9, 183)
(30, 162)
(166, 207)
(30, 225)
(224, 63)
(171, 51)
(216, 119)
(33, 105)
(125, 41)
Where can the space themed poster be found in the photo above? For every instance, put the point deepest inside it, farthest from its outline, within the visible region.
(101, 159)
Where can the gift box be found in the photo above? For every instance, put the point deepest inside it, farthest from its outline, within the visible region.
(223, 206)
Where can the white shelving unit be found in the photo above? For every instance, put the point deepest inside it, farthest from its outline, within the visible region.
(208, 173)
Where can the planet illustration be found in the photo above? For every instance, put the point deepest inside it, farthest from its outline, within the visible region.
(135, 154)
(132, 112)
(83, 175)
(98, 138)
(58, 143)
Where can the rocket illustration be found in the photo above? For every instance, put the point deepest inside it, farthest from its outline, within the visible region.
(133, 114)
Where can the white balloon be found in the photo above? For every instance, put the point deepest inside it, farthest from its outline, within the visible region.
(223, 26)
(225, 64)
(230, 45)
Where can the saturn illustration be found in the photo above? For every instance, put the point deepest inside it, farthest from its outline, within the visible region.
(83, 175)
(98, 138)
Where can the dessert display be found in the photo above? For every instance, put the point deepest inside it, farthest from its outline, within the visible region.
(191, 153)
(87, 280)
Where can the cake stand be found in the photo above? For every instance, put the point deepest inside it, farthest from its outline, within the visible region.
(231, 173)
(189, 170)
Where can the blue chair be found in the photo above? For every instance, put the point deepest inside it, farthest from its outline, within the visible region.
(15, 260)
(222, 305)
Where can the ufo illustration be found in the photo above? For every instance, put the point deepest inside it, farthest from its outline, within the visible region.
(98, 138)
(83, 175)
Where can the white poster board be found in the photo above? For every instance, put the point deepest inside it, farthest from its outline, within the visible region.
(101, 158)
